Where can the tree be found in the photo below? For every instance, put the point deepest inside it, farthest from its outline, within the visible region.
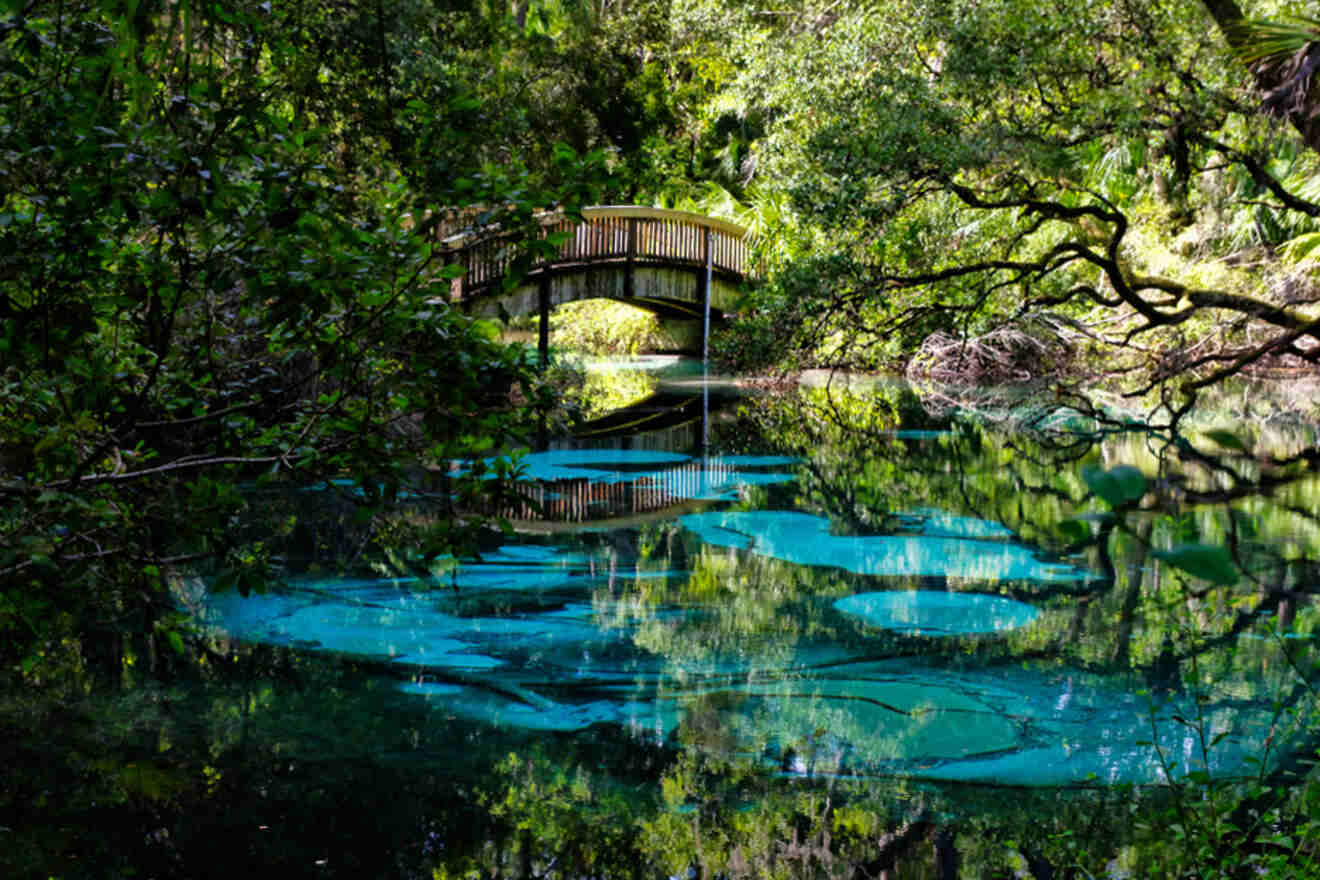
(1090, 177)
(218, 276)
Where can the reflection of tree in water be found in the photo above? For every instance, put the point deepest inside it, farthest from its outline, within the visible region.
(734, 793)
(1207, 576)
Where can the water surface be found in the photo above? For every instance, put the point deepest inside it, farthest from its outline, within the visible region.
(895, 600)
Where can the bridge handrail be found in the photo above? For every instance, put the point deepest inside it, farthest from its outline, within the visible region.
(730, 229)
(608, 233)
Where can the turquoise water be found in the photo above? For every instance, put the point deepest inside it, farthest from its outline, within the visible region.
(807, 540)
(917, 641)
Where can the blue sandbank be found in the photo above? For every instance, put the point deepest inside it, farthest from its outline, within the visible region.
(806, 540)
(930, 612)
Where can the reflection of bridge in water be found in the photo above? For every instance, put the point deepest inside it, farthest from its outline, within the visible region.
(666, 485)
(685, 488)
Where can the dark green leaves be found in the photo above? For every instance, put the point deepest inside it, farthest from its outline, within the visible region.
(1226, 439)
(1119, 487)
(1207, 561)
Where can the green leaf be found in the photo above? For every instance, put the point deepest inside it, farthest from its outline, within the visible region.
(1226, 439)
(1122, 485)
(1210, 562)
(1074, 530)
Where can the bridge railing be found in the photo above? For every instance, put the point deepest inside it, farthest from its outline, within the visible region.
(623, 234)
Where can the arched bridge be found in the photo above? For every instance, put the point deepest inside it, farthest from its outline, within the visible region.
(675, 263)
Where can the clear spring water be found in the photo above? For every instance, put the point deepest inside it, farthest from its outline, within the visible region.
(813, 608)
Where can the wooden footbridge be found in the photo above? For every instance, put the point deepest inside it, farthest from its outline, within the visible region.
(677, 264)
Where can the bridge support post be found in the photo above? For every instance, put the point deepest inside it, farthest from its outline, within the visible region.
(705, 284)
(543, 331)
(629, 281)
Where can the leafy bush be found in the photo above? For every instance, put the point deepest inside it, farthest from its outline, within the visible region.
(605, 327)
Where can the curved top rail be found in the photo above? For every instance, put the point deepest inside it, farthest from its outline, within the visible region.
(730, 229)
(550, 218)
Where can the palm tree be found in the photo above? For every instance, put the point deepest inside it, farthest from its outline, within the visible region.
(1283, 55)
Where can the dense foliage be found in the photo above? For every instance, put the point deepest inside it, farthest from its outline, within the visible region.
(217, 236)
(1010, 191)
(219, 276)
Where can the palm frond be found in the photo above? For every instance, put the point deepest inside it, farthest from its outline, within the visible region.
(1303, 249)
(1257, 40)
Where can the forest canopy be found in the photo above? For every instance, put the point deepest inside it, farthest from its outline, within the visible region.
(1001, 190)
